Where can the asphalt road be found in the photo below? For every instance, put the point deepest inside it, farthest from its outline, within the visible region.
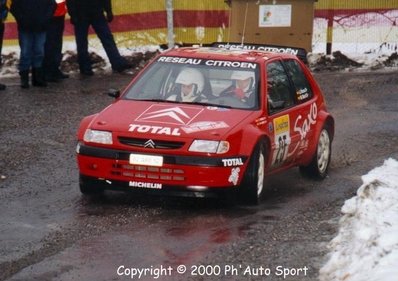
(48, 231)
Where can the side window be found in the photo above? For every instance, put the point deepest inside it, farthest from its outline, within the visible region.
(302, 86)
(279, 91)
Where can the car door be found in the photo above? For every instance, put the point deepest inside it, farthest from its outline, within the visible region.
(304, 114)
(281, 106)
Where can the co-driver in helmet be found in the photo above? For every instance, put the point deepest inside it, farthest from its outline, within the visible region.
(242, 86)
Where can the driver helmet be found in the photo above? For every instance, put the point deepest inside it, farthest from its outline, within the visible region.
(189, 76)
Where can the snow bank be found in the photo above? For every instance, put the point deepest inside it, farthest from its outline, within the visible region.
(366, 247)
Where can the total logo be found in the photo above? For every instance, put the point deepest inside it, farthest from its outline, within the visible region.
(154, 130)
(232, 162)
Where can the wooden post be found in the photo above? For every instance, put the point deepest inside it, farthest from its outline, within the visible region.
(170, 23)
(329, 32)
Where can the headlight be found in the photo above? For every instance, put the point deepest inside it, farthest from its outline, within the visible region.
(207, 146)
(98, 136)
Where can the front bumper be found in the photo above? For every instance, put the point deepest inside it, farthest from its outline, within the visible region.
(181, 173)
(166, 190)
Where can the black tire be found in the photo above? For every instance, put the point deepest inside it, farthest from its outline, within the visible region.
(252, 187)
(88, 186)
(319, 166)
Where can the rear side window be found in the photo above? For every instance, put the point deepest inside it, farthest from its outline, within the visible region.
(303, 91)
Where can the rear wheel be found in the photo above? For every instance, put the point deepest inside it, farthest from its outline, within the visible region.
(88, 186)
(319, 165)
(253, 183)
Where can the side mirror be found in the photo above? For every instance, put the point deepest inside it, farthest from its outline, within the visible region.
(113, 93)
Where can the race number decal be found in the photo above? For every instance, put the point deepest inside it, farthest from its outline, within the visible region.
(282, 140)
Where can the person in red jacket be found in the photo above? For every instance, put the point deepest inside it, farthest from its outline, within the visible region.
(53, 46)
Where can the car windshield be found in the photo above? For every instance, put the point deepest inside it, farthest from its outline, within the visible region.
(231, 84)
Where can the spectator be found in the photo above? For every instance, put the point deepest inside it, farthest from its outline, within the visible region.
(32, 19)
(91, 13)
(3, 16)
(53, 47)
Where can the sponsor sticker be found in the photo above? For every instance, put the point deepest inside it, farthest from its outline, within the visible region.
(204, 126)
(274, 49)
(216, 63)
(282, 139)
(302, 94)
(154, 130)
(148, 185)
(234, 177)
(232, 162)
(306, 124)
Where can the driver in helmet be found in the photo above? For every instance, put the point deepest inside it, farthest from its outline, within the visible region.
(242, 86)
(190, 83)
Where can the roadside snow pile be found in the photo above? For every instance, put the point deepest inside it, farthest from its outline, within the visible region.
(138, 57)
(366, 247)
(351, 61)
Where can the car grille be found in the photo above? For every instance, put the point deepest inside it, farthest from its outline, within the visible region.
(147, 143)
(146, 172)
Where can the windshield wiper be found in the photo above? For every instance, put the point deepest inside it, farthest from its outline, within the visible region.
(174, 101)
(157, 100)
(209, 104)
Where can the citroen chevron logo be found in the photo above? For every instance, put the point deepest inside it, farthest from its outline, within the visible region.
(170, 115)
(173, 113)
(149, 144)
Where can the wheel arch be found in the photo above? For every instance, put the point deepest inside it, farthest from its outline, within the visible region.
(324, 120)
(84, 124)
(252, 137)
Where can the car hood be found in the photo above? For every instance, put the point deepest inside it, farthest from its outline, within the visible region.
(127, 117)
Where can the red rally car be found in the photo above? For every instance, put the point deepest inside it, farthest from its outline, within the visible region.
(198, 121)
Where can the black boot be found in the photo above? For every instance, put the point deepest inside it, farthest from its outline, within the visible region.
(38, 79)
(24, 74)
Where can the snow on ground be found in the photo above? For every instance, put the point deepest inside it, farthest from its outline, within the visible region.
(354, 57)
(136, 55)
(366, 247)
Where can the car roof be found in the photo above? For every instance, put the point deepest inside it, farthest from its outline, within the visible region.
(225, 54)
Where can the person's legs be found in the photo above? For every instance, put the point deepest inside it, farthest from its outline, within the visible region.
(53, 50)
(38, 55)
(1, 39)
(26, 46)
(50, 51)
(2, 86)
(39, 39)
(25, 58)
(81, 35)
(104, 33)
(59, 23)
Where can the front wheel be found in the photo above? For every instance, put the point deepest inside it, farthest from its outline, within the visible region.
(253, 183)
(319, 165)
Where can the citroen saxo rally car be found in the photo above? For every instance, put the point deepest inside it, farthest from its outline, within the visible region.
(198, 121)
